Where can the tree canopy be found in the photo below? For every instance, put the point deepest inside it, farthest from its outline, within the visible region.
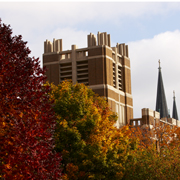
(157, 155)
(27, 120)
(37, 121)
(91, 146)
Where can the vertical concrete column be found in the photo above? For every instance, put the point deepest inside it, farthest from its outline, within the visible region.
(109, 40)
(74, 70)
(105, 39)
(101, 39)
(54, 45)
(127, 51)
(121, 49)
(98, 35)
(50, 47)
(124, 49)
(59, 45)
(118, 50)
(94, 40)
(89, 38)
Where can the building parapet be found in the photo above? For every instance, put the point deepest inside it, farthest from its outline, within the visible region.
(102, 39)
(148, 115)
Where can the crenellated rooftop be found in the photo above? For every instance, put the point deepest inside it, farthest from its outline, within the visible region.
(102, 39)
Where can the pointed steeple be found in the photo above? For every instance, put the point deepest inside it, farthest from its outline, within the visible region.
(161, 105)
(174, 113)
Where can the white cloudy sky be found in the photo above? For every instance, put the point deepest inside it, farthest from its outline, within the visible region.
(152, 31)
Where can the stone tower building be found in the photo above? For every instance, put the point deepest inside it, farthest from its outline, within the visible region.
(105, 69)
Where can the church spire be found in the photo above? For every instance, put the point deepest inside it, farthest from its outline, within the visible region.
(161, 105)
(174, 113)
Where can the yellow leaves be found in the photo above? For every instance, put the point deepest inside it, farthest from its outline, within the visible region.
(63, 123)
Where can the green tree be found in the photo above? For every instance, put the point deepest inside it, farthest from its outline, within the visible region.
(91, 146)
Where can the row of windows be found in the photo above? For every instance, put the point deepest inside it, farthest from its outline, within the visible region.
(118, 84)
(82, 71)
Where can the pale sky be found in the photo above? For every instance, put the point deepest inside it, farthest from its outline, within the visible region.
(152, 31)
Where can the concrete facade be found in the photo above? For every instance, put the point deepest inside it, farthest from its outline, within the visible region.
(105, 69)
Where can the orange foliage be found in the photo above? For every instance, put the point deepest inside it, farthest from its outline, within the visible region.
(91, 146)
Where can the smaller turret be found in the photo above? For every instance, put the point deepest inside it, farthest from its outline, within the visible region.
(174, 112)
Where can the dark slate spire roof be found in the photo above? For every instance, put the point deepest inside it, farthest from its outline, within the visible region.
(174, 113)
(161, 105)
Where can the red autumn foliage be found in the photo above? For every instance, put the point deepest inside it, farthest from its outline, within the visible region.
(27, 121)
